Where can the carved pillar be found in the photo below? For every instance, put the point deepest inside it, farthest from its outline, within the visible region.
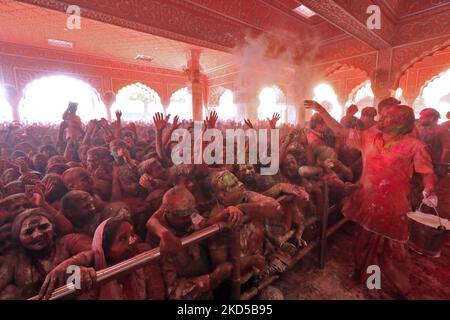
(382, 78)
(205, 95)
(165, 101)
(195, 85)
(13, 96)
(410, 97)
(109, 97)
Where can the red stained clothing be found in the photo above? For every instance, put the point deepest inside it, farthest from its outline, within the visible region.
(392, 257)
(382, 202)
(315, 139)
(438, 141)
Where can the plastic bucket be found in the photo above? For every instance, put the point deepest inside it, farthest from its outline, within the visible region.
(427, 232)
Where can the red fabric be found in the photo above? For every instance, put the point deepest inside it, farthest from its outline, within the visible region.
(392, 257)
(382, 202)
(315, 139)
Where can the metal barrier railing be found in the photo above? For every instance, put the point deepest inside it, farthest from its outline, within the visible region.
(144, 258)
(136, 262)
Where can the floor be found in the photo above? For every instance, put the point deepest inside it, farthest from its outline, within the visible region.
(306, 281)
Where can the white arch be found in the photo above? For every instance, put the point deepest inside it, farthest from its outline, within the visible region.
(227, 110)
(5, 108)
(271, 100)
(45, 100)
(325, 94)
(181, 104)
(362, 95)
(435, 94)
(137, 102)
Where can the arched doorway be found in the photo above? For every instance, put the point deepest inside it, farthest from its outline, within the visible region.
(46, 99)
(325, 95)
(181, 104)
(362, 96)
(137, 102)
(272, 100)
(435, 94)
(227, 110)
(5, 107)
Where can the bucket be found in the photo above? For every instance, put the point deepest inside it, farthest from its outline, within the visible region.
(427, 232)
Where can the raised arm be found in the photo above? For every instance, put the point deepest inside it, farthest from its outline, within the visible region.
(118, 125)
(336, 127)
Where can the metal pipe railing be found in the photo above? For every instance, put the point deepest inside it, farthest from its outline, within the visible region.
(137, 261)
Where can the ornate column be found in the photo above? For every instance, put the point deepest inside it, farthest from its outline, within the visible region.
(410, 97)
(382, 78)
(13, 96)
(195, 85)
(109, 97)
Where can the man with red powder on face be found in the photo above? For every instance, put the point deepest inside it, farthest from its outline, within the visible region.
(390, 155)
(436, 138)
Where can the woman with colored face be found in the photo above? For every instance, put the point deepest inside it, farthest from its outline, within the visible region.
(38, 252)
(115, 241)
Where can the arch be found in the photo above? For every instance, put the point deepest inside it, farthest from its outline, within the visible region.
(226, 109)
(416, 77)
(45, 99)
(435, 93)
(272, 99)
(362, 95)
(6, 111)
(420, 57)
(214, 95)
(138, 102)
(343, 78)
(338, 66)
(181, 104)
(325, 94)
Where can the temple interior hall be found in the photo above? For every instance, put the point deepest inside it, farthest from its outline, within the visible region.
(225, 149)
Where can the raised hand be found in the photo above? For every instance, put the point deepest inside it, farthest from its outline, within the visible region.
(118, 114)
(176, 122)
(212, 120)
(159, 121)
(248, 123)
(313, 105)
(274, 120)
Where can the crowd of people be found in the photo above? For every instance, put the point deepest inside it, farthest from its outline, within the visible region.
(93, 195)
